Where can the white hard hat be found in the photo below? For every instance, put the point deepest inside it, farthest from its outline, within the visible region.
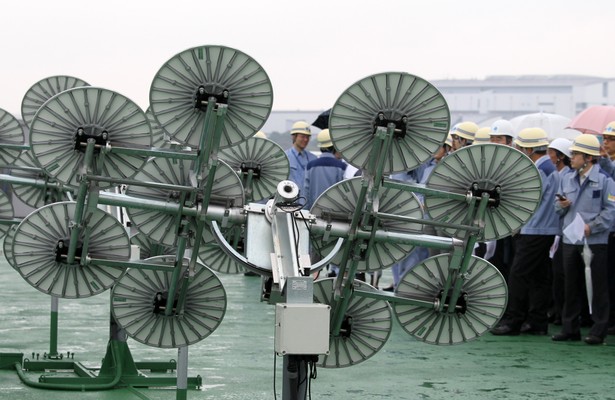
(502, 127)
(562, 145)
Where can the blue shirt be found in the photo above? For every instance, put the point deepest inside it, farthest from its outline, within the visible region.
(594, 199)
(545, 221)
(608, 166)
(321, 174)
(412, 176)
(298, 163)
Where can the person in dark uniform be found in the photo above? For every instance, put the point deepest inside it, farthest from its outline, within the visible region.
(587, 194)
(529, 286)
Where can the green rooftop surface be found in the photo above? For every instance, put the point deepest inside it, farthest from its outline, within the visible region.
(237, 360)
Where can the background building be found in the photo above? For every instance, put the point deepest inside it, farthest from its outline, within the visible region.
(485, 100)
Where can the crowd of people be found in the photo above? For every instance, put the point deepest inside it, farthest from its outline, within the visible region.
(545, 263)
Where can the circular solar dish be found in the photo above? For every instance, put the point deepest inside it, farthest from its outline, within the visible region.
(480, 306)
(215, 257)
(139, 301)
(6, 212)
(161, 227)
(183, 85)
(159, 136)
(267, 161)
(43, 238)
(43, 90)
(366, 327)
(339, 203)
(8, 245)
(26, 166)
(11, 132)
(148, 249)
(416, 107)
(62, 126)
(492, 168)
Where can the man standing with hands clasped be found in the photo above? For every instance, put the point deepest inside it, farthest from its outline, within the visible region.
(590, 194)
(298, 155)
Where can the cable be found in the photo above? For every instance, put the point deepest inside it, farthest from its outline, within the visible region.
(275, 393)
(296, 236)
(313, 375)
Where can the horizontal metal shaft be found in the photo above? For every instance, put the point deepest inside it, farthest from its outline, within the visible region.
(341, 229)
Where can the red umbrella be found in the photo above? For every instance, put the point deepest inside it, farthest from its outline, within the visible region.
(593, 119)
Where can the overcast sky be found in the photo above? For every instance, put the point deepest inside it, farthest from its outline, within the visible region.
(312, 50)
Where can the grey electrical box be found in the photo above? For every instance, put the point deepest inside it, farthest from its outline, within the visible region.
(302, 328)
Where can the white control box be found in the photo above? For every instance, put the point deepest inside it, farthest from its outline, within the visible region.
(302, 328)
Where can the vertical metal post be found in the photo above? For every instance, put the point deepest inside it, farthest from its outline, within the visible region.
(470, 242)
(53, 328)
(182, 373)
(79, 207)
(181, 247)
(368, 203)
(295, 378)
(248, 182)
(207, 145)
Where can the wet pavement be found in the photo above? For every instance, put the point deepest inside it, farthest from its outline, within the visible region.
(237, 361)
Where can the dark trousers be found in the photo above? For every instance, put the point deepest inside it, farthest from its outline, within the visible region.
(558, 282)
(611, 274)
(503, 257)
(529, 287)
(574, 280)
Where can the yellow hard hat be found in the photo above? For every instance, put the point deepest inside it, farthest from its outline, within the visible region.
(482, 135)
(610, 129)
(260, 134)
(449, 140)
(466, 130)
(301, 127)
(532, 138)
(324, 138)
(586, 144)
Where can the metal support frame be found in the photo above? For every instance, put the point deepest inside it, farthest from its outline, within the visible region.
(355, 240)
(119, 368)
